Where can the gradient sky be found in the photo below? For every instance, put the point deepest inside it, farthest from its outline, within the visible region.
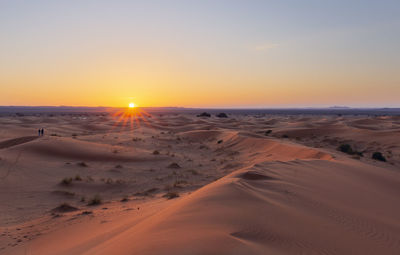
(200, 53)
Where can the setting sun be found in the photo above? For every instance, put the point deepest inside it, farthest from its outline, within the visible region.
(131, 105)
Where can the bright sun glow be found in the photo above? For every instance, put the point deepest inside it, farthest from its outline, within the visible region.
(131, 105)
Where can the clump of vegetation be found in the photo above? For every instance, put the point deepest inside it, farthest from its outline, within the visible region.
(378, 156)
(179, 183)
(285, 136)
(54, 135)
(220, 141)
(82, 164)
(174, 165)
(66, 181)
(64, 193)
(194, 172)
(222, 115)
(346, 148)
(147, 192)
(64, 207)
(124, 199)
(118, 166)
(89, 178)
(156, 152)
(96, 200)
(204, 114)
(78, 177)
(269, 131)
(171, 195)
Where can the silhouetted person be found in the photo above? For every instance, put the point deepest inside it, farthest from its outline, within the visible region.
(42, 131)
(39, 132)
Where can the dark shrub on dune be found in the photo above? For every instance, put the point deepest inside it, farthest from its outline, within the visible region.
(171, 195)
(378, 156)
(346, 148)
(269, 131)
(222, 115)
(96, 200)
(204, 114)
(66, 181)
(174, 165)
(64, 207)
(82, 164)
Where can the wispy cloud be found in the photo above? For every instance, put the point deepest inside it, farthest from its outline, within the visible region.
(265, 47)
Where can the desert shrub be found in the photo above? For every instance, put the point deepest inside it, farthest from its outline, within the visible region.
(124, 199)
(269, 131)
(204, 114)
(222, 115)
(65, 207)
(78, 177)
(171, 195)
(118, 166)
(285, 136)
(64, 193)
(66, 181)
(156, 152)
(174, 165)
(82, 164)
(179, 183)
(96, 200)
(220, 141)
(89, 178)
(194, 172)
(378, 156)
(346, 148)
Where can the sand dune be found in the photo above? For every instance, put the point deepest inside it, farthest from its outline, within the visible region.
(82, 150)
(298, 207)
(241, 190)
(15, 141)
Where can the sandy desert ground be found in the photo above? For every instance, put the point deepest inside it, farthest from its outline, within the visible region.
(180, 184)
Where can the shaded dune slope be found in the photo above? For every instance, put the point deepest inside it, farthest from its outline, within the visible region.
(81, 150)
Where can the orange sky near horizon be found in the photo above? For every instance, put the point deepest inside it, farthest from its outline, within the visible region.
(208, 54)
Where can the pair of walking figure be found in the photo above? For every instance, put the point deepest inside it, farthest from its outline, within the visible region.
(40, 132)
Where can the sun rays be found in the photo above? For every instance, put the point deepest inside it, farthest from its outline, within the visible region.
(131, 118)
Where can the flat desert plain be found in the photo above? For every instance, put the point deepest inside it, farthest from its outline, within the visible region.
(180, 184)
